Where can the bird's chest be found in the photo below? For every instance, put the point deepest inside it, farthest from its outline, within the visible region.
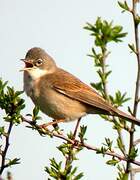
(31, 86)
(42, 95)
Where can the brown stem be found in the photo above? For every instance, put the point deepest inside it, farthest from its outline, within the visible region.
(69, 157)
(136, 99)
(4, 152)
(76, 128)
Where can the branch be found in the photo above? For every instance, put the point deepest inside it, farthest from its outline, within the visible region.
(69, 157)
(4, 152)
(76, 143)
(76, 128)
(136, 99)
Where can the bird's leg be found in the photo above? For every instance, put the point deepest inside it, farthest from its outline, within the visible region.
(76, 128)
(54, 123)
(55, 126)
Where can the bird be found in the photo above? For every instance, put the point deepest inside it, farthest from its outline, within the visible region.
(61, 95)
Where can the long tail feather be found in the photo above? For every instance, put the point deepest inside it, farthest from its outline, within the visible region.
(127, 117)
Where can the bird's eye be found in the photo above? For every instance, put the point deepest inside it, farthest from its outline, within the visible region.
(39, 62)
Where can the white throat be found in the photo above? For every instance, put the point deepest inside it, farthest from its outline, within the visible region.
(31, 77)
(36, 73)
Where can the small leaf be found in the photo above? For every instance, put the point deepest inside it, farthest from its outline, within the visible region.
(107, 74)
(130, 111)
(124, 5)
(132, 47)
(112, 162)
(98, 86)
(137, 20)
(101, 150)
(35, 114)
(2, 131)
(133, 153)
(79, 176)
(13, 162)
(35, 111)
(120, 144)
(108, 143)
(82, 133)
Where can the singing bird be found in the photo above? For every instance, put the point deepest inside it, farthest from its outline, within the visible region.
(60, 94)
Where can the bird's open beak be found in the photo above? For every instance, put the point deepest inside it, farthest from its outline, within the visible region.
(28, 65)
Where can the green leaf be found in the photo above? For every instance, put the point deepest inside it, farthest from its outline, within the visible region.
(119, 99)
(132, 47)
(133, 153)
(2, 130)
(124, 6)
(82, 133)
(108, 143)
(112, 162)
(79, 176)
(101, 150)
(121, 173)
(137, 19)
(64, 148)
(125, 176)
(104, 32)
(35, 114)
(120, 144)
(107, 74)
(102, 75)
(14, 161)
(74, 171)
(130, 110)
(98, 86)
(35, 111)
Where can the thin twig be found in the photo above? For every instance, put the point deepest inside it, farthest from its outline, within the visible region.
(76, 128)
(4, 152)
(69, 157)
(104, 71)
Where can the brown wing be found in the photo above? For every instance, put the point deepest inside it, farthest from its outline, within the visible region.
(71, 86)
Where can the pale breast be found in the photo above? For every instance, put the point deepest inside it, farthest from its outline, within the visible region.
(58, 106)
(30, 85)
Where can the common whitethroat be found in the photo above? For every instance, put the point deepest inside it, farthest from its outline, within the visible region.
(60, 94)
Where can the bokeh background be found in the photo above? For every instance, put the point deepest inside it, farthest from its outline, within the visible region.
(57, 26)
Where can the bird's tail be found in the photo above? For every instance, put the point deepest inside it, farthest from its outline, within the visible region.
(128, 117)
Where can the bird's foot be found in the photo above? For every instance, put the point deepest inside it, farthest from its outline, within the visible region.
(54, 123)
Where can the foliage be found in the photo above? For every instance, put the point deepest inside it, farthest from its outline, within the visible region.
(12, 105)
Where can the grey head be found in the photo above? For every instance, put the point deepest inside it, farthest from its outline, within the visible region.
(37, 58)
